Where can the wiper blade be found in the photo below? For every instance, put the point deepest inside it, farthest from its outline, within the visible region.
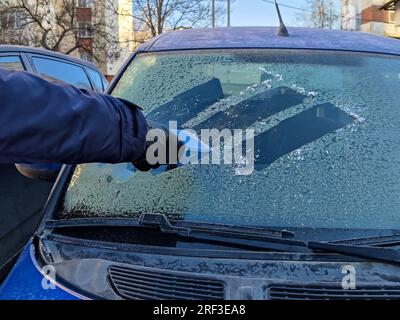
(160, 220)
(249, 237)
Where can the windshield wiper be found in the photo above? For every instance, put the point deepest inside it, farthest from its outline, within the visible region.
(248, 237)
(256, 238)
(263, 242)
(239, 236)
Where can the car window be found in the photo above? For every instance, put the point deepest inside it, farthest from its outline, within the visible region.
(105, 83)
(56, 70)
(96, 79)
(11, 63)
(327, 140)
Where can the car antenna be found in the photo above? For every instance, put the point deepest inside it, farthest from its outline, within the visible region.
(283, 31)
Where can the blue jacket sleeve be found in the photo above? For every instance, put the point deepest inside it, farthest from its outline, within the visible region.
(44, 122)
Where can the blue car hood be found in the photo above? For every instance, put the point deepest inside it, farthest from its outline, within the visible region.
(27, 281)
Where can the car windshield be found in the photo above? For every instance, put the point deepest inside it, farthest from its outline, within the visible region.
(327, 149)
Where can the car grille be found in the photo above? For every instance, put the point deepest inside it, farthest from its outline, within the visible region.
(330, 293)
(132, 283)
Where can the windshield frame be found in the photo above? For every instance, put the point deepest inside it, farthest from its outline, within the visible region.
(68, 170)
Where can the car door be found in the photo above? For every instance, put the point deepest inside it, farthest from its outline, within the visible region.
(21, 199)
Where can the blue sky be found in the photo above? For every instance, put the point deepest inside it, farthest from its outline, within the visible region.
(260, 13)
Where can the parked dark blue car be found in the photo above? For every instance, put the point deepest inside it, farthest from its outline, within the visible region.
(22, 199)
(317, 219)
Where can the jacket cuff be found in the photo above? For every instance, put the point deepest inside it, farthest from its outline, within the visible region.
(134, 132)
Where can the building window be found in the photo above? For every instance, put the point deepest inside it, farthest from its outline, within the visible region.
(83, 3)
(392, 14)
(13, 20)
(85, 30)
(87, 56)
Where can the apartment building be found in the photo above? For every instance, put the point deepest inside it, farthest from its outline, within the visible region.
(376, 16)
(100, 31)
(393, 6)
(106, 27)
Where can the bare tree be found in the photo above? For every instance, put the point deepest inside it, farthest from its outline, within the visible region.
(153, 17)
(319, 14)
(57, 25)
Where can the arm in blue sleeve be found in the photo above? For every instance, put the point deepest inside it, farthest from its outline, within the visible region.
(44, 122)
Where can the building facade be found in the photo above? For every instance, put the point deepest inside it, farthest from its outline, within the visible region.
(107, 29)
(376, 16)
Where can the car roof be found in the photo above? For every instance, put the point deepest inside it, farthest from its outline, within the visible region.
(266, 37)
(58, 55)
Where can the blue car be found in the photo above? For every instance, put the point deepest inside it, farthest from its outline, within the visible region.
(316, 218)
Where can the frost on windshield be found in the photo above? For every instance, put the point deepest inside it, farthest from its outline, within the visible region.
(346, 177)
(121, 191)
(157, 86)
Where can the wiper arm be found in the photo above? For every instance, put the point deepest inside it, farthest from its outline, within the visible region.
(239, 236)
(363, 248)
(369, 252)
(160, 220)
(264, 242)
